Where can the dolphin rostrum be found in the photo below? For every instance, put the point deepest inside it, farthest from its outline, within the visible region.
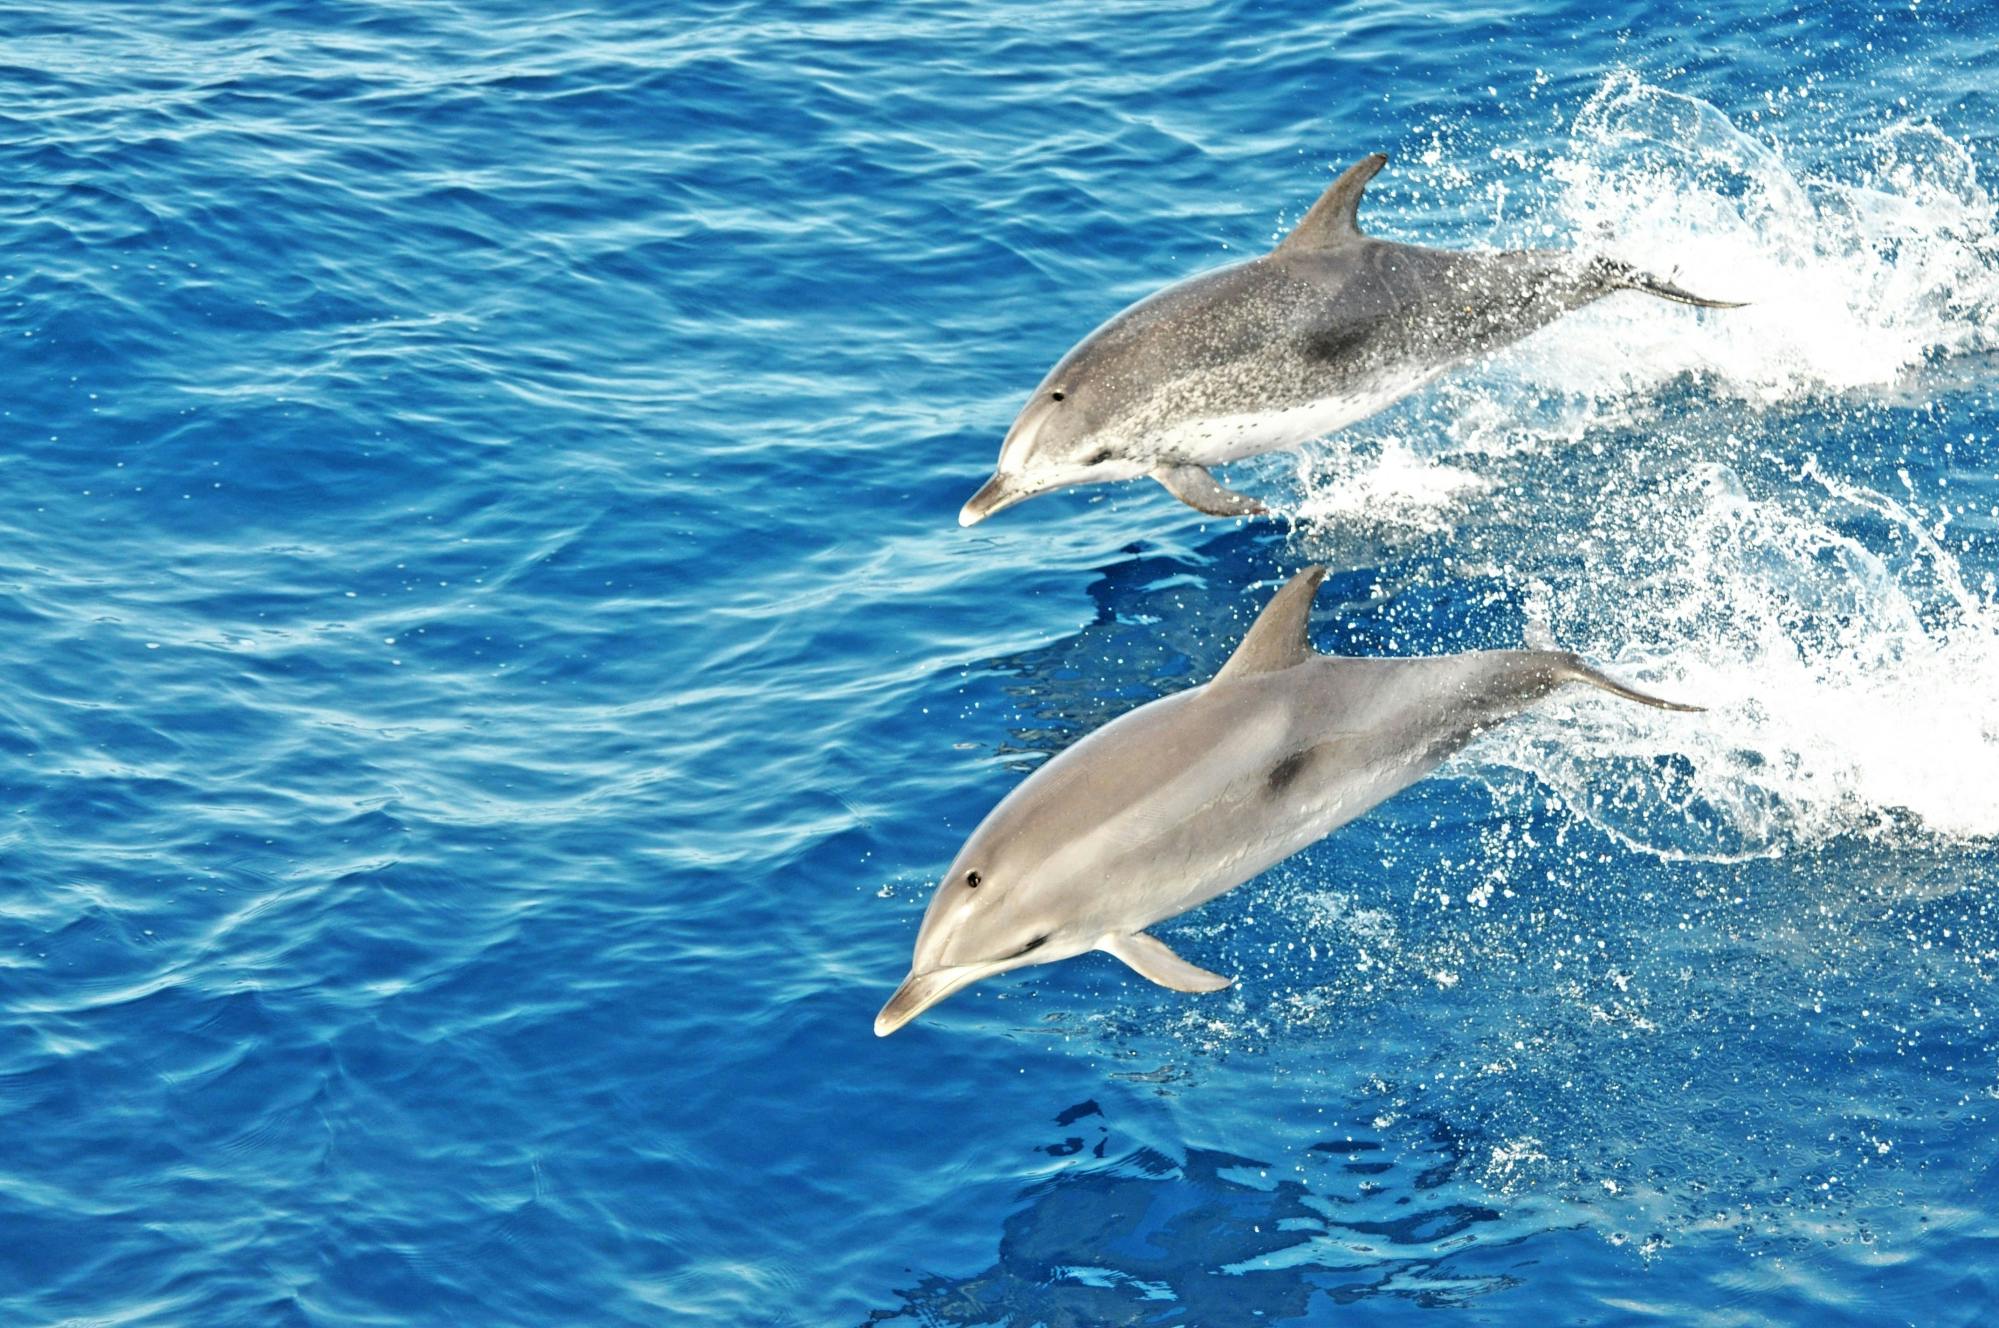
(1188, 796)
(1327, 328)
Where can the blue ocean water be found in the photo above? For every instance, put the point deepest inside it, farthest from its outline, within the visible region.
(491, 672)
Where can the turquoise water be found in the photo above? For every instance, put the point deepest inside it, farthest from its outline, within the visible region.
(492, 673)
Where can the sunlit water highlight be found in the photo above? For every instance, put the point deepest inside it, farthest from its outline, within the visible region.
(493, 673)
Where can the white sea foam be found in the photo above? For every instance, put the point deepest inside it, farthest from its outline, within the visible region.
(1849, 660)
(1392, 485)
(1853, 688)
(1851, 282)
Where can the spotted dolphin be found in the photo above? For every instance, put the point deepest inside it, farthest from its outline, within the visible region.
(1193, 794)
(1327, 328)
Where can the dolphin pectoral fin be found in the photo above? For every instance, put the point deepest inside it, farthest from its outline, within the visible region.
(1194, 486)
(1151, 959)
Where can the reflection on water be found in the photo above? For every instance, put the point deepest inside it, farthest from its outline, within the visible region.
(1132, 1236)
(1167, 621)
(1164, 621)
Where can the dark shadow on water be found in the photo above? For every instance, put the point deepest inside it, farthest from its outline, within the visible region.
(1218, 1239)
(1166, 621)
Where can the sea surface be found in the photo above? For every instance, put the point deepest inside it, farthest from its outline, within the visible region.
(489, 672)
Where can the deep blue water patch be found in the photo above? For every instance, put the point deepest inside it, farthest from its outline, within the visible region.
(490, 673)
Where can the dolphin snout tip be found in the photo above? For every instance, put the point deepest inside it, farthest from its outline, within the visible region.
(910, 999)
(889, 1020)
(920, 991)
(994, 494)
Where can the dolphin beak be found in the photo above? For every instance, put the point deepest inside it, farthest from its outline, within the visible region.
(992, 496)
(920, 991)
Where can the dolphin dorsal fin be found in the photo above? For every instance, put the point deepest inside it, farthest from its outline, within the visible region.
(1277, 638)
(1332, 220)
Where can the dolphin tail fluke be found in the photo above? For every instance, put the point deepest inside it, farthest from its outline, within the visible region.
(1622, 276)
(1572, 669)
(1194, 486)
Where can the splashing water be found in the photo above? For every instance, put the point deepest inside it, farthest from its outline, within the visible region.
(1849, 284)
(1849, 688)
(1849, 662)
(1770, 1011)
(1396, 486)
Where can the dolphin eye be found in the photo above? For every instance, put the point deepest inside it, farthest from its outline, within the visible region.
(972, 880)
(1057, 394)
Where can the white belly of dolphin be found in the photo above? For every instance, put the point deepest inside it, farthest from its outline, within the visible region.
(1213, 440)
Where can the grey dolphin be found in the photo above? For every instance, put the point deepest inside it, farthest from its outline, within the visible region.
(1188, 796)
(1325, 329)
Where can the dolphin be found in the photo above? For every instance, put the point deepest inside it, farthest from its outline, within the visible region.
(1327, 328)
(1189, 796)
